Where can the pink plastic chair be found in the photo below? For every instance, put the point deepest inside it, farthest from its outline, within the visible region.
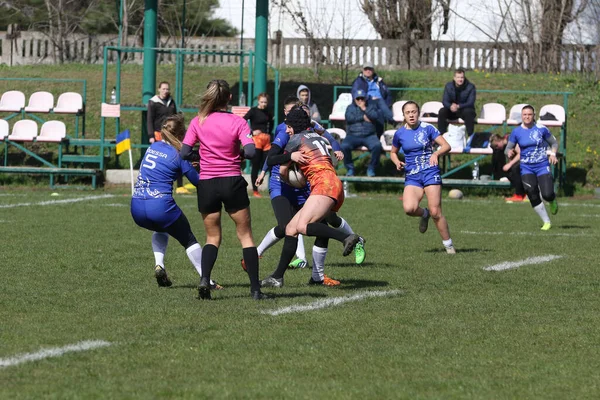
(24, 130)
(52, 131)
(69, 103)
(430, 107)
(12, 101)
(3, 129)
(397, 110)
(40, 102)
(554, 109)
(492, 114)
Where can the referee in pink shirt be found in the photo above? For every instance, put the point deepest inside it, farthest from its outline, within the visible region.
(221, 183)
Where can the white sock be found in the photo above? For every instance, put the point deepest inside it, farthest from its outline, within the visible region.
(318, 269)
(345, 227)
(300, 252)
(425, 212)
(160, 240)
(269, 240)
(448, 243)
(540, 209)
(194, 253)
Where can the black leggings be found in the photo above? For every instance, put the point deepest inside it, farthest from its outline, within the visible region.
(182, 232)
(534, 185)
(284, 212)
(257, 164)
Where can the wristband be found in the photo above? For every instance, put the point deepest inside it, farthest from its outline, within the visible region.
(553, 154)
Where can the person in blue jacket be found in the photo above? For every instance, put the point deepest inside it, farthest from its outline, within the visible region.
(459, 102)
(152, 203)
(362, 118)
(372, 84)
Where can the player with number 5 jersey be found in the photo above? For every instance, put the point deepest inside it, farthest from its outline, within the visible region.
(152, 203)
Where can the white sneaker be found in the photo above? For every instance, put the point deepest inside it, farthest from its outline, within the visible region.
(450, 250)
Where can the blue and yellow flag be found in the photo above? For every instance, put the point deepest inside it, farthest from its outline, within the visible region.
(123, 142)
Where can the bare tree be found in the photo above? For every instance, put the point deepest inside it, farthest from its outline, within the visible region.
(534, 29)
(318, 27)
(405, 20)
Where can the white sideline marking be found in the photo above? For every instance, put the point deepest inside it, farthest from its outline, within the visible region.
(516, 264)
(524, 233)
(52, 352)
(336, 301)
(52, 202)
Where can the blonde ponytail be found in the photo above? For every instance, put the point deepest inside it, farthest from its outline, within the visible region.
(173, 130)
(215, 98)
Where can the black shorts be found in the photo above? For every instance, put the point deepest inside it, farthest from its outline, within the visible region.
(230, 191)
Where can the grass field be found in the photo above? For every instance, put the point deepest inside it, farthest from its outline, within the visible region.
(80, 270)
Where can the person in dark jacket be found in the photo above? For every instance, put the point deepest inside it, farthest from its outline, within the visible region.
(459, 102)
(372, 84)
(362, 118)
(160, 107)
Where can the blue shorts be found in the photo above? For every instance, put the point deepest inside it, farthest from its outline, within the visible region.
(430, 176)
(537, 169)
(155, 214)
(297, 197)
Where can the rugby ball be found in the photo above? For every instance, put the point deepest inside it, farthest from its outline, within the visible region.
(455, 194)
(295, 177)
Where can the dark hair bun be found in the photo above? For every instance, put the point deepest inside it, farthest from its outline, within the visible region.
(298, 119)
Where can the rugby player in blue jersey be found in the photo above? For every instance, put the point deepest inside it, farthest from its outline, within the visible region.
(417, 140)
(533, 140)
(152, 203)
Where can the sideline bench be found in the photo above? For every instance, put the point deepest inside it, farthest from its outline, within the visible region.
(53, 172)
(445, 182)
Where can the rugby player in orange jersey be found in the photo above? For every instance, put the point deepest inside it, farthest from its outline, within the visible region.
(309, 150)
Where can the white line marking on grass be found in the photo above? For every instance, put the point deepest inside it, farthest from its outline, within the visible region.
(52, 352)
(516, 264)
(116, 205)
(53, 202)
(336, 301)
(524, 233)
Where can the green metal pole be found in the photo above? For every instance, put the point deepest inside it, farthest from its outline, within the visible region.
(250, 70)
(150, 28)
(102, 119)
(276, 105)
(261, 40)
(242, 58)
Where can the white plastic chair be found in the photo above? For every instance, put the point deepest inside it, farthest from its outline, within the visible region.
(492, 114)
(12, 101)
(3, 129)
(387, 138)
(40, 102)
(338, 113)
(69, 103)
(24, 130)
(338, 131)
(430, 107)
(397, 110)
(554, 109)
(514, 116)
(52, 131)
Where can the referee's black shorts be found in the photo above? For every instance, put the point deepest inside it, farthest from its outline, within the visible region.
(229, 191)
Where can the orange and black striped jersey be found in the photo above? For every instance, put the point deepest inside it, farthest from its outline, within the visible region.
(313, 146)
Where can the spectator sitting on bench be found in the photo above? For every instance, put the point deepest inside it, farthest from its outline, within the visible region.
(372, 84)
(303, 93)
(362, 116)
(459, 102)
(513, 168)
